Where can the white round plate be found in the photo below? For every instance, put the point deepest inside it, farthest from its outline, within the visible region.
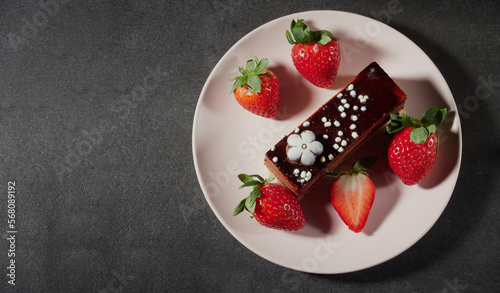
(228, 140)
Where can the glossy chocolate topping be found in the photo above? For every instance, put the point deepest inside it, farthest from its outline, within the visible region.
(340, 125)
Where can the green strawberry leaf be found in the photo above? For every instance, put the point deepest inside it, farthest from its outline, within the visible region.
(245, 178)
(331, 173)
(250, 183)
(429, 115)
(323, 40)
(252, 199)
(304, 35)
(431, 128)
(239, 208)
(359, 167)
(407, 120)
(261, 65)
(419, 135)
(270, 178)
(394, 127)
(254, 83)
(329, 34)
(239, 81)
(290, 38)
(439, 117)
(395, 124)
(250, 65)
(365, 163)
(422, 128)
(250, 75)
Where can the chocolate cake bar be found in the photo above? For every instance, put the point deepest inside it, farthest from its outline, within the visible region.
(335, 130)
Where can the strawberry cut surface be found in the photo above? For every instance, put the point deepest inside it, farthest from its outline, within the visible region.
(352, 197)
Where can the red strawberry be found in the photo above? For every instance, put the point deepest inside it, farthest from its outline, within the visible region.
(413, 148)
(352, 194)
(315, 54)
(257, 89)
(272, 205)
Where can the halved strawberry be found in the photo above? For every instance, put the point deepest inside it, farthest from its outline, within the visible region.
(353, 193)
(413, 148)
(271, 204)
(257, 89)
(315, 54)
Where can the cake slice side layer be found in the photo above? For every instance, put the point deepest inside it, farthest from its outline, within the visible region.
(335, 130)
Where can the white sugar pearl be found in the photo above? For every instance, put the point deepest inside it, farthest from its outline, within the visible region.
(363, 108)
(352, 127)
(328, 124)
(340, 95)
(275, 159)
(336, 146)
(338, 139)
(343, 114)
(355, 108)
(341, 109)
(350, 87)
(353, 94)
(340, 133)
(347, 106)
(355, 135)
(324, 119)
(306, 124)
(354, 118)
(343, 143)
(325, 136)
(343, 101)
(330, 157)
(336, 123)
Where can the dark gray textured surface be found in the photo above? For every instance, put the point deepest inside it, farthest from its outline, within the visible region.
(96, 107)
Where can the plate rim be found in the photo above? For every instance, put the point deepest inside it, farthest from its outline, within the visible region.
(196, 159)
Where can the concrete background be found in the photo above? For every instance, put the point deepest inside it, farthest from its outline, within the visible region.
(107, 198)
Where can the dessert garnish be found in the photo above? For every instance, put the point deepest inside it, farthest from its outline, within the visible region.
(303, 148)
(271, 204)
(315, 54)
(341, 126)
(352, 194)
(257, 89)
(413, 148)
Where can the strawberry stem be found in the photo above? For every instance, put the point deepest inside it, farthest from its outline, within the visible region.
(250, 75)
(304, 35)
(255, 181)
(422, 128)
(360, 166)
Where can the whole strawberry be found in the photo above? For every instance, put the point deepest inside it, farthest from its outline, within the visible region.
(413, 147)
(315, 54)
(353, 193)
(257, 89)
(272, 205)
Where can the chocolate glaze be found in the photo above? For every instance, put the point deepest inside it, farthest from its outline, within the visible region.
(384, 98)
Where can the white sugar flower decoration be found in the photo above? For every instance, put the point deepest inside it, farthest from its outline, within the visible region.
(303, 148)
